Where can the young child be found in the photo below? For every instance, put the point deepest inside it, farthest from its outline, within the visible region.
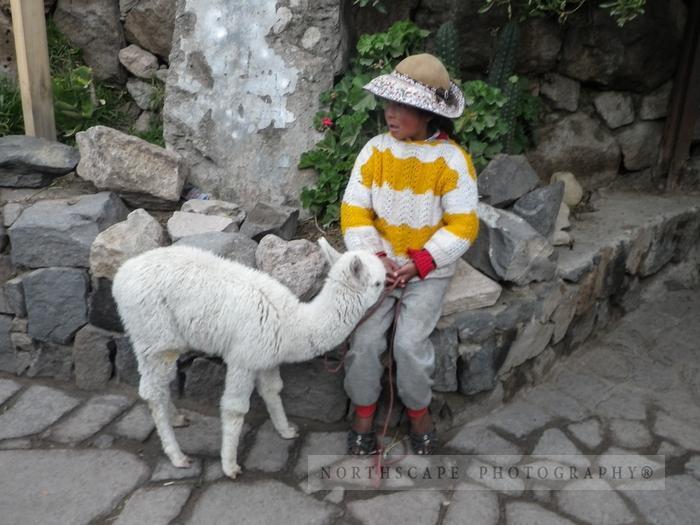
(411, 199)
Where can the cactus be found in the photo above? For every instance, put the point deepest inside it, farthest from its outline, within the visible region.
(503, 61)
(447, 47)
(501, 73)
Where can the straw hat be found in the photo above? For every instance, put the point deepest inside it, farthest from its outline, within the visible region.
(421, 81)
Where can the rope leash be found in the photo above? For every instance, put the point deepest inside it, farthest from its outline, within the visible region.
(382, 450)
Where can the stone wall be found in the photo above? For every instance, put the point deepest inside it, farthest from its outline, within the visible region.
(523, 295)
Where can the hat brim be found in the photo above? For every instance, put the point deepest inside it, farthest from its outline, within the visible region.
(407, 91)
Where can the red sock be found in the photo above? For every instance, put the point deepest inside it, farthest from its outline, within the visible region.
(415, 414)
(365, 410)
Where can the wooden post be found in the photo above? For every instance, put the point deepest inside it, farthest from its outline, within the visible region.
(32, 51)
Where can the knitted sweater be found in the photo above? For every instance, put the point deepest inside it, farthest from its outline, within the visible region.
(411, 195)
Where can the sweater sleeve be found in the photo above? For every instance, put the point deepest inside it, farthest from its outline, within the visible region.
(356, 212)
(459, 204)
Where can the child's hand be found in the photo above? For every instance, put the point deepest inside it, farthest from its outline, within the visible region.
(405, 273)
(391, 268)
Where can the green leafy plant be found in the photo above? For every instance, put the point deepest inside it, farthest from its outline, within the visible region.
(377, 4)
(11, 119)
(351, 116)
(622, 10)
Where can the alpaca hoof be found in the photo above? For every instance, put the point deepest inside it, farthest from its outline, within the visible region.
(232, 471)
(182, 461)
(180, 420)
(290, 432)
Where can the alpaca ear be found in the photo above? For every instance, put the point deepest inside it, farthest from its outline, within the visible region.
(330, 253)
(356, 267)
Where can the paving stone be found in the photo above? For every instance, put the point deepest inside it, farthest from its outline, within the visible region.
(155, 506)
(678, 503)
(471, 500)
(213, 471)
(627, 462)
(12, 444)
(90, 418)
(579, 384)
(103, 441)
(165, 470)
(669, 449)
(36, 485)
(594, 501)
(521, 513)
(692, 466)
(264, 502)
(588, 432)
(556, 402)
(519, 418)
(554, 444)
(8, 387)
(624, 402)
(416, 508)
(678, 431)
(335, 496)
(37, 408)
(495, 477)
(136, 424)
(270, 451)
(630, 434)
(203, 435)
(320, 443)
(477, 439)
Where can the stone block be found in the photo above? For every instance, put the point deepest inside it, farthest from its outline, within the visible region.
(92, 352)
(205, 380)
(264, 219)
(183, 224)
(102, 310)
(655, 104)
(215, 207)
(562, 92)
(516, 251)
(311, 392)
(150, 23)
(138, 61)
(615, 108)
(33, 162)
(125, 363)
(297, 264)
(640, 144)
(13, 292)
(60, 232)
(94, 27)
(232, 245)
(8, 359)
(505, 179)
(119, 162)
(445, 344)
(138, 233)
(143, 93)
(56, 303)
(540, 208)
(469, 290)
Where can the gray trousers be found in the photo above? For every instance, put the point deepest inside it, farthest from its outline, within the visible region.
(413, 351)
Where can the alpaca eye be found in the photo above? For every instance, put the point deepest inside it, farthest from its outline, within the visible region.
(378, 283)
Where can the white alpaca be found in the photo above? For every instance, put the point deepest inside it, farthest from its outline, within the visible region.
(178, 298)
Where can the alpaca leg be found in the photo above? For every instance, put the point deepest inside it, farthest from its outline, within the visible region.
(157, 372)
(269, 385)
(234, 406)
(176, 418)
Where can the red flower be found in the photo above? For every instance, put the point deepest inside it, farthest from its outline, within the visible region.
(327, 123)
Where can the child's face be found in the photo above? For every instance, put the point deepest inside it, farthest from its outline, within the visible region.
(406, 122)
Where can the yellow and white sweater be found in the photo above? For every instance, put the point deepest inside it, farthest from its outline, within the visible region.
(412, 195)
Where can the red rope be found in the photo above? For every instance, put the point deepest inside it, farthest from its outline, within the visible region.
(345, 347)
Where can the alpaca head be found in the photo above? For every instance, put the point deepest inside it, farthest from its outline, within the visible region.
(361, 271)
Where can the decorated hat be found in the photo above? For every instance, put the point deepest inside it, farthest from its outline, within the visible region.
(423, 82)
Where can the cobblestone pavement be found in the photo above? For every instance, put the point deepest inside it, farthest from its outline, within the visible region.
(69, 457)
